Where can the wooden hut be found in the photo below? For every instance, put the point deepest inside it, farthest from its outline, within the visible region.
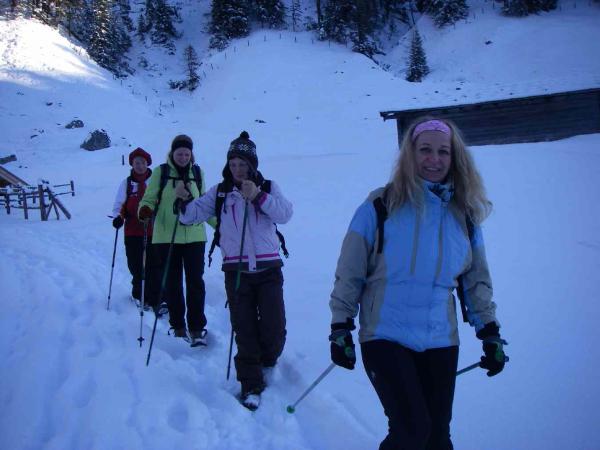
(525, 119)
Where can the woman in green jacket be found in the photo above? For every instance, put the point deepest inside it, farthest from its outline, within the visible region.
(189, 242)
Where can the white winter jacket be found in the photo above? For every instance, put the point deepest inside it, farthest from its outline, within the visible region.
(261, 244)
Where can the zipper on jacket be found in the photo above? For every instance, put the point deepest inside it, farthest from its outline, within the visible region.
(443, 211)
(413, 261)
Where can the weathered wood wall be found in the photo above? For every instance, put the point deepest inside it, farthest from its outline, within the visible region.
(525, 119)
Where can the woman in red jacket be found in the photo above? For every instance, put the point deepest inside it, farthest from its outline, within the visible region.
(131, 191)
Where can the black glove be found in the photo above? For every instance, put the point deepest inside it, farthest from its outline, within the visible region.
(118, 222)
(493, 348)
(342, 345)
(180, 205)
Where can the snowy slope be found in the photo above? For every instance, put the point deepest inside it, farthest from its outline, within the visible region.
(488, 56)
(75, 375)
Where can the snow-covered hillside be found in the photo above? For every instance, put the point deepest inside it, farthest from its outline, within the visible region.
(74, 375)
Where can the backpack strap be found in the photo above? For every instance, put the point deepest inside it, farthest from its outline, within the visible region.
(128, 189)
(460, 289)
(197, 177)
(164, 178)
(222, 190)
(382, 214)
(282, 242)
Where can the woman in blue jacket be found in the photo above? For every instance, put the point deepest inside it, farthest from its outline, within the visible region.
(400, 275)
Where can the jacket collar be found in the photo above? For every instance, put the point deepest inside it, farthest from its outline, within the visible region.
(442, 191)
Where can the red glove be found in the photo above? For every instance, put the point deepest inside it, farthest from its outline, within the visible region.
(145, 213)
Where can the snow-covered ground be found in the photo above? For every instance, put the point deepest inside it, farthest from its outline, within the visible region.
(74, 375)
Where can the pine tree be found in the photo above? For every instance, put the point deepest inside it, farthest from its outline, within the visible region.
(142, 28)
(100, 43)
(295, 14)
(229, 20)
(74, 15)
(191, 60)
(124, 11)
(82, 24)
(108, 40)
(515, 8)
(270, 13)
(157, 20)
(392, 10)
(354, 21)
(162, 29)
(535, 6)
(338, 18)
(448, 12)
(365, 23)
(417, 64)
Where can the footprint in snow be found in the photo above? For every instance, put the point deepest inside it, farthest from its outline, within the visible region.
(84, 392)
(178, 417)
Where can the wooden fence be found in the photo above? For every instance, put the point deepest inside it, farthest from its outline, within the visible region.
(526, 119)
(40, 197)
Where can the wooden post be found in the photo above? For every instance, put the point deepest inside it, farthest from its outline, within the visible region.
(25, 211)
(72, 189)
(42, 203)
(53, 204)
(57, 203)
(7, 197)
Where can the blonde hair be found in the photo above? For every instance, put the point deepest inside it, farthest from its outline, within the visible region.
(469, 191)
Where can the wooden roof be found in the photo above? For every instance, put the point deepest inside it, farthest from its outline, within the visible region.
(522, 119)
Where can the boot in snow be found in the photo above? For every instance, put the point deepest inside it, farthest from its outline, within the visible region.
(163, 309)
(181, 333)
(251, 401)
(199, 338)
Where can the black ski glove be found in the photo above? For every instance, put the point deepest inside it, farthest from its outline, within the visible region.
(118, 222)
(180, 205)
(493, 348)
(342, 345)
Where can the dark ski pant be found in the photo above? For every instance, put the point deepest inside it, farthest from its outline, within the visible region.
(188, 257)
(257, 315)
(416, 390)
(134, 249)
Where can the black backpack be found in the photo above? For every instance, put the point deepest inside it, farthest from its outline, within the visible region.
(382, 214)
(222, 190)
(164, 179)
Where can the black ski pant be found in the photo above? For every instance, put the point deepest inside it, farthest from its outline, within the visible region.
(134, 250)
(188, 257)
(416, 390)
(257, 314)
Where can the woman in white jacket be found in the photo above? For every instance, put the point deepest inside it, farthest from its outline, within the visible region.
(248, 209)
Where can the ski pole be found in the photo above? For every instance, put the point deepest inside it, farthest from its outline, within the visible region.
(237, 282)
(292, 408)
(112, 269)
(474, 366)
(468, 368)
(141, 338)
(162, 285)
